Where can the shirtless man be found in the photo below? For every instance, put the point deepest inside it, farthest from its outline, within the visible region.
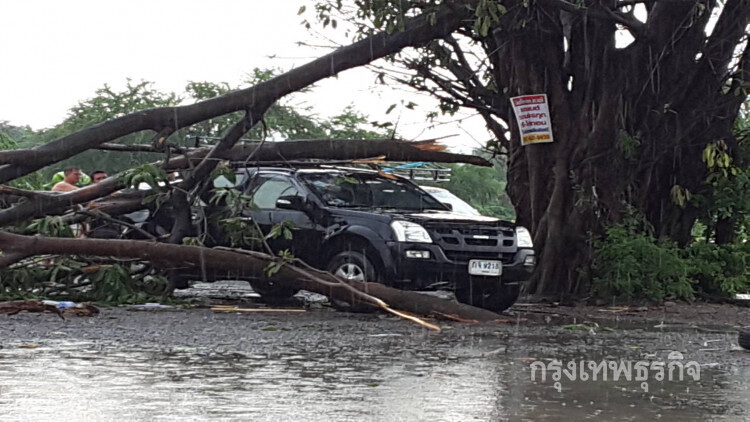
(72, 176)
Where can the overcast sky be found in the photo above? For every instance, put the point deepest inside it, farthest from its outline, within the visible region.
(55, 53)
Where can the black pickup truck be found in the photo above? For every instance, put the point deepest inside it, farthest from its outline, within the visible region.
(366, 225)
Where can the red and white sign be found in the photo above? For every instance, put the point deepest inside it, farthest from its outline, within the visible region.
(532, 115)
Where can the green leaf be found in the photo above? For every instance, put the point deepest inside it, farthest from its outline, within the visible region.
(301, 10)
(432, 18)
(287, 234)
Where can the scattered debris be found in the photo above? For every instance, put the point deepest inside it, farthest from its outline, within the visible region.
(592, 328)
(77, 309)
(615, 309)
(227, 308)
(48, 306)
(452, 317)
(82, 309)
(15, 306)
(151, 307)
(623, 309)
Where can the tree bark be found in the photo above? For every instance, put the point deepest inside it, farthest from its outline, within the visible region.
(629, 123)
(245, 264)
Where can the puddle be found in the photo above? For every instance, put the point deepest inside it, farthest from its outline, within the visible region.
(386, 378)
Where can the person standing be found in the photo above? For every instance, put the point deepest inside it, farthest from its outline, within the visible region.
(72, 175)
(98, 176)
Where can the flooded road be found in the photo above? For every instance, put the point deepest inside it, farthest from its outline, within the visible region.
(328, 366)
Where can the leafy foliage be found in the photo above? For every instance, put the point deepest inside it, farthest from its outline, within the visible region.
(283, 229)
(78, 280)
(285, 257)
(632, 264)
(23, 282)
(155, 177)
(33, 181)
(108, 103)
(53, 226)
(720, 270)
(726, 183)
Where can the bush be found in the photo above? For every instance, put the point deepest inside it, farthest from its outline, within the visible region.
(634, 265)
(720, 270)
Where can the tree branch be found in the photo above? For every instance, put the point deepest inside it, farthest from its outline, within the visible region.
(729, 29)
(636, 27)
(142, 148)
(327, 149)
(10, 190)
(247, 264)
(101, 215)
(417, 31)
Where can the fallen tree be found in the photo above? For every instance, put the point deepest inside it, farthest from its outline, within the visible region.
(42, 204)
(254, 102)
(248, 264)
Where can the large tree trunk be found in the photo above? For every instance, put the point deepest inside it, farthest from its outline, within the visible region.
(241, 264)
(664, 118)
(629, 123)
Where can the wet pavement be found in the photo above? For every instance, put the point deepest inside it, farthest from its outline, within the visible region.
(322, 365)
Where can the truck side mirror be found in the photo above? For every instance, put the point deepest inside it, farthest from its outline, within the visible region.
(291, 202)
(449, 206)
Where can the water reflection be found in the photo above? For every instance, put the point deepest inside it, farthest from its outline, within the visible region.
(386, 379)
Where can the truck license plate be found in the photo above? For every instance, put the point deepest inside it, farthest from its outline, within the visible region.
(485, 267)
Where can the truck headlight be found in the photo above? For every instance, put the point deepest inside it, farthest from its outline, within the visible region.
(407, 231)
(523, 238)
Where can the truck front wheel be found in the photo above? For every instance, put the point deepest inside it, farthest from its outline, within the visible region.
(355, 266)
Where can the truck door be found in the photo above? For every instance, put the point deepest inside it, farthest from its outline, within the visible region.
(267, 190)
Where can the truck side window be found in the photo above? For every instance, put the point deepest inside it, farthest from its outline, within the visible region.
(270, 189)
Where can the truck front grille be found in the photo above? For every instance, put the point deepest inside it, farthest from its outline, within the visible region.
(462, 242)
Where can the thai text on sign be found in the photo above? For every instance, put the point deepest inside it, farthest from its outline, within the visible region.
(532, 115)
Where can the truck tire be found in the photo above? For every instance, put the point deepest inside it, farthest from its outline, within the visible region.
(744, 338)
(352, 265)
(495, 299)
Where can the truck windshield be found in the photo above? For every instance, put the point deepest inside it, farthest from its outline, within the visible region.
(363, 190)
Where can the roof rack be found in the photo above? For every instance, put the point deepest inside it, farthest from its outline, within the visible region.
(415, 171)
(420, 170)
